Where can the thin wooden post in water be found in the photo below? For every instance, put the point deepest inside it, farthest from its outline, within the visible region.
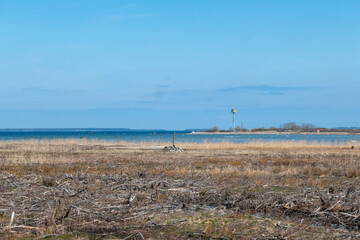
(174, 140)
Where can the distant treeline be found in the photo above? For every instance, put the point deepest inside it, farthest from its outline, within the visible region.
(286, 127)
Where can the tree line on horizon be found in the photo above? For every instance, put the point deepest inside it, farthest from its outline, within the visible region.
(288, 126)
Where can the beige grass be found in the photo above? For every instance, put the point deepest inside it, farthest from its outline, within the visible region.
(262, 162)
(271, 145)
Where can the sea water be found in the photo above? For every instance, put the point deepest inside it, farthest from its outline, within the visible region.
(163, 136)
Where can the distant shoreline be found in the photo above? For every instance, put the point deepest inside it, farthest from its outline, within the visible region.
(274, 133)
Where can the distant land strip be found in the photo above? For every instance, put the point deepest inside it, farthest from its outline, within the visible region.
(279, 133)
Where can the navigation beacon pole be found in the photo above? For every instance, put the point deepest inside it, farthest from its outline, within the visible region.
(233, 110)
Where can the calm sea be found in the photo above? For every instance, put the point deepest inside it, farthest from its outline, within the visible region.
(161, 136)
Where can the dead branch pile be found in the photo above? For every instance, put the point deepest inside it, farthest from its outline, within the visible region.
(172, 149)
(99, 203)
(338, 209)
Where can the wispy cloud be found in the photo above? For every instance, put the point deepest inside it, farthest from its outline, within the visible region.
(50, 90)
(161, 91)
(273, 90)
(35, 89)
(275, 93)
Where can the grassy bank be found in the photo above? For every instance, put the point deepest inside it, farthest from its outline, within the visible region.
(69, 189)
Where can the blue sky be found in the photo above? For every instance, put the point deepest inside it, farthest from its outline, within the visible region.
(178, 64)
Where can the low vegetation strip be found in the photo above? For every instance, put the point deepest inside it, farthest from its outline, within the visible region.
(100, 190)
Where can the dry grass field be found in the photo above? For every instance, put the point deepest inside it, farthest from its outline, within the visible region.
(78, 189)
